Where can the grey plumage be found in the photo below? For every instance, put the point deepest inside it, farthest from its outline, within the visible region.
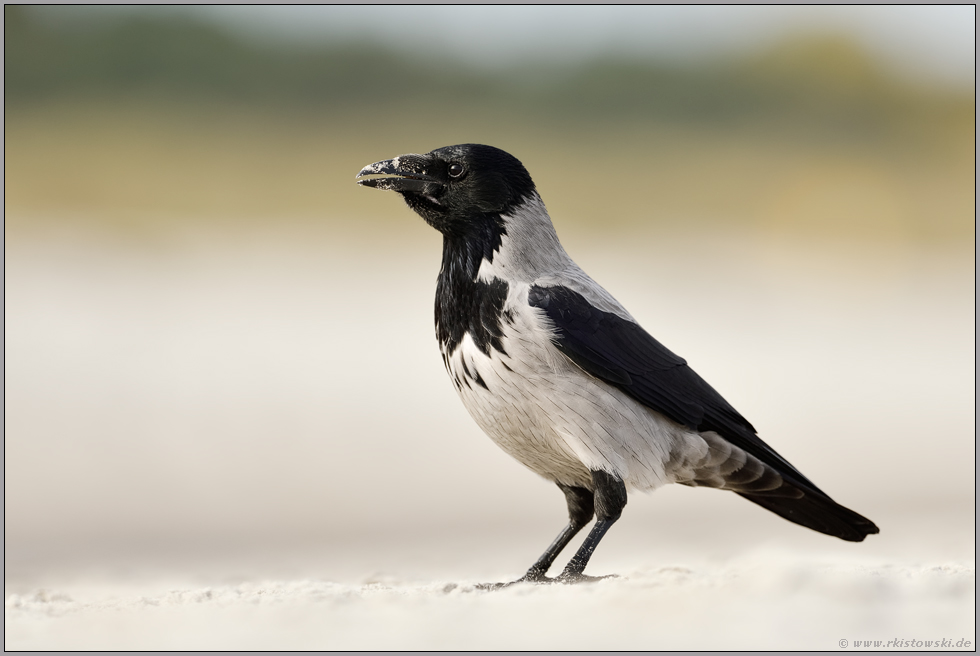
(561, 376)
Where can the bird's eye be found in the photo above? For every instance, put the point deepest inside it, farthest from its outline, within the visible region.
(455, 170)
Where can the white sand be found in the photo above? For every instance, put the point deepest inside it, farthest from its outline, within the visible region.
(767, 602)
(218, 442)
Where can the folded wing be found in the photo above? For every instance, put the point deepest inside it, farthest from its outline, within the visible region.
(624, 355)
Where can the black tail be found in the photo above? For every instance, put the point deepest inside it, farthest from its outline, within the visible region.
(819, 512)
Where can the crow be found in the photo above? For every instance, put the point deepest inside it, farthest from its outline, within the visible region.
(560, 376)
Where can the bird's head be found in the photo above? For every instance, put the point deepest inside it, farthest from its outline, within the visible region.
(456, 187)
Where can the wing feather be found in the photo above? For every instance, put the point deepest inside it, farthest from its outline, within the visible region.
(621, 353)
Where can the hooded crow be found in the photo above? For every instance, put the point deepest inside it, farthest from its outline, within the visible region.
(561, 377)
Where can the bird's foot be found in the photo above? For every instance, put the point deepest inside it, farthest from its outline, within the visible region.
(578, 577)
(507, 584)
(534, 575)
(538, 577)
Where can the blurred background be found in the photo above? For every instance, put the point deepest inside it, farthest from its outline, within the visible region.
(219, 350)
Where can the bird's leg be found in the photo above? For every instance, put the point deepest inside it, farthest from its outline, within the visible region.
(606, 503)
(581, 507)
(610, 499)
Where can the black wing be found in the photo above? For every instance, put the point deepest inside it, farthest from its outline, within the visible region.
(621, 353)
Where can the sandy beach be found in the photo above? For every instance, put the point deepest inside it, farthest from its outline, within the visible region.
(246, 441)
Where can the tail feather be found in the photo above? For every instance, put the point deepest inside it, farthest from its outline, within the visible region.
(783, 491)
(818, 512)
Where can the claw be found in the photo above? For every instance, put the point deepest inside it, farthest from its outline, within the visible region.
(536, 578)
(568, 578)
(524, 579)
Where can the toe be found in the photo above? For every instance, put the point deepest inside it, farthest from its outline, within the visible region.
(579, 577)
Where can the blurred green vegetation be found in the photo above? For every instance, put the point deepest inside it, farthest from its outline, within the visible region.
(136, 118)
(825, 82)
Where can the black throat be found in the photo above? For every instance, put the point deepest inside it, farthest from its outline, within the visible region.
(463, 303)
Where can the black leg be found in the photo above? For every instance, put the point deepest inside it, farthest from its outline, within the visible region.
(606, 503)
(581, 507)
(610, 499)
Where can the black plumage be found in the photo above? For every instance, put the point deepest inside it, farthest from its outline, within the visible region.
(560, 376)
(621, 353)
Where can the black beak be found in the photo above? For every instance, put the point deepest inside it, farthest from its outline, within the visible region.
(411, 173)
